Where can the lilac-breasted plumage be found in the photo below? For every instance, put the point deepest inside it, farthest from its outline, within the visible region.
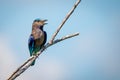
(37, 38)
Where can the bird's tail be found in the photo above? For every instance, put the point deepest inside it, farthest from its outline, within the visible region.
(33, 63)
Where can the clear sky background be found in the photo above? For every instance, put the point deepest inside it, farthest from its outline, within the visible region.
(93, 55)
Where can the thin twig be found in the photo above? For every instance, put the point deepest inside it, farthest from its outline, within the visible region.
(65, 37)
(64, 20)
(27, 64)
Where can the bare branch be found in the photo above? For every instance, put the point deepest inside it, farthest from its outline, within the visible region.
(27, 64)
(66, 37)
(64, 20)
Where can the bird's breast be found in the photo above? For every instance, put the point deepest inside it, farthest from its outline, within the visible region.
(38, 36)
(39, 41)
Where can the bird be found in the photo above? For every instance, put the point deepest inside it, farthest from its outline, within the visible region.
(37, 38)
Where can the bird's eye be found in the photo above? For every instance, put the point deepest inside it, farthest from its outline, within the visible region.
(36, 20)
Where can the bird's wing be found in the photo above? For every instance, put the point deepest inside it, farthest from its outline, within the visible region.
(31, 44)
(45, 38)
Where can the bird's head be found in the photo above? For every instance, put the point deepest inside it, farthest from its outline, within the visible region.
(38, 22)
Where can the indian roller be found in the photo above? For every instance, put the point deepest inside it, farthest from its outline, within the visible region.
(37, 37)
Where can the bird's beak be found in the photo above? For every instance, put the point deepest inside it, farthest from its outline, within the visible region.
(44, 22)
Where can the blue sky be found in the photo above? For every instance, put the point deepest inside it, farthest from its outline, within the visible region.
(93, 55)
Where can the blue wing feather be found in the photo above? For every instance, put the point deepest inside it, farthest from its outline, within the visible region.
(31, 44)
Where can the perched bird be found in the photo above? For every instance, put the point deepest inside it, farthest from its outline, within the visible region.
(37, 38)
